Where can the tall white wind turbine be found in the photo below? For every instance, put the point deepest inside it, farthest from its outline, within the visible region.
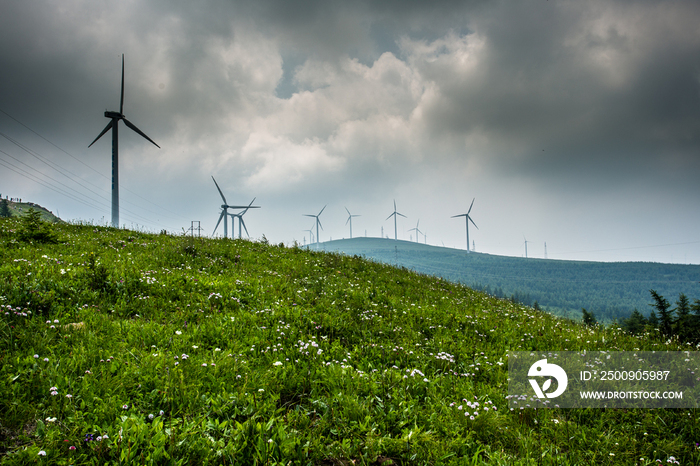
(318, 222)
(114, 126)
(468, 219)
(350, 216)
(396, 236)
(416, 230)
(241, 223)
(224, 212)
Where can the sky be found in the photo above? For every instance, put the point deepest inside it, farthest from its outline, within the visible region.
(575, 124)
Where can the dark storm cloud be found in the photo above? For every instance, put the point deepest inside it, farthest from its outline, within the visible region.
(571, 85)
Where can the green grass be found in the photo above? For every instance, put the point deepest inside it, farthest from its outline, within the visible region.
(194, 351)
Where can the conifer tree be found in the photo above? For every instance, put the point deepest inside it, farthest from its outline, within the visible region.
(588, 318)
(635, 323)
(4, 209)
(653, 321)
(662, 305)
(684, 325)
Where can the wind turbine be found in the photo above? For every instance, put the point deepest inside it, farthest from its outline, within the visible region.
(396, 236)
(468, 219)
(350, 216)
(239, 216)
(318, 222)
(526, 241)
(416, 230)
(224, 212)
(114, 126)
(311, 235)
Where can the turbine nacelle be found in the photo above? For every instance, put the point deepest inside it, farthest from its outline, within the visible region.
(114, 115)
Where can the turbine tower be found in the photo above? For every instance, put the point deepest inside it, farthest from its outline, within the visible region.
(318, 222)
(416, 230)
(350, 216)
(396, 236)
(241, 223)
(468, 219)
(311, 235)
(224, 212)
(526, 241)
(114, 126)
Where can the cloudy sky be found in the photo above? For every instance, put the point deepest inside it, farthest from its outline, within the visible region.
(571, 123)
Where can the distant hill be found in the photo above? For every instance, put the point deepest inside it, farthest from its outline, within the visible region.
(19, 209)
(609, 289)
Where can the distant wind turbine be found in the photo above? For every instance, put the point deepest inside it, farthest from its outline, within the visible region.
(114, 126)
(416, 230)
(468, 219)
(350, 216)
(224, 212)
(396, 236)
(239, 216)
(525, 243)
(311, 235)
(318, 222)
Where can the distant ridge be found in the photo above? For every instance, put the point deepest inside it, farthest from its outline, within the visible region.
(611, 290)
(20, 209)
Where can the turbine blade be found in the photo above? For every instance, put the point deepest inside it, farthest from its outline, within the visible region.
(121, 104)
(107, 128)
(470, 207)
(308, 215)
(249, 206)
(240, 219)
(346, 221)
(217, 223)
(131, 125)
(470, 219)
(460, 215)
(319, 223)
(324, 208)
(346, 210)
(401, 215)
(217, 187)
(390, 216)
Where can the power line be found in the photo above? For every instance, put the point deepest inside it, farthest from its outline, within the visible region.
(61, 171)
(91, 168)
(31, 177)
(59, 190)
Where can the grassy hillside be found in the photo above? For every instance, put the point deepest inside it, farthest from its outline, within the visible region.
(20, 209)
(612, 290)
(120, 347)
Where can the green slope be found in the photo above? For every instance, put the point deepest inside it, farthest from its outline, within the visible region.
(611, 290)
(119, 347)
(19, 209)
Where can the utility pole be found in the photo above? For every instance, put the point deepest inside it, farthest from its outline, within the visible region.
(192, 228)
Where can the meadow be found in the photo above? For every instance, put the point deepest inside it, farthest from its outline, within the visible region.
(122, 347)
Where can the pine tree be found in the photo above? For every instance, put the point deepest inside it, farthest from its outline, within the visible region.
(684, 325)
(653, 321)
(588, 318)
(35, 229)
(4, 209)
(635, 323)
(662, 305)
